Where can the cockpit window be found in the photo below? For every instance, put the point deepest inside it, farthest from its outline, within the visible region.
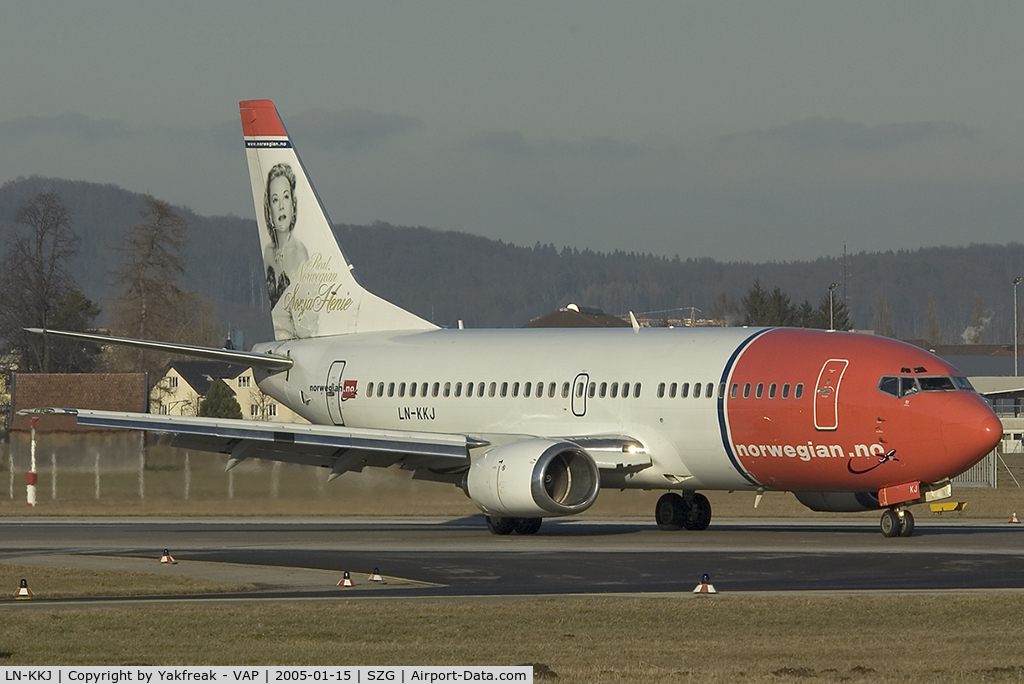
(902, 386)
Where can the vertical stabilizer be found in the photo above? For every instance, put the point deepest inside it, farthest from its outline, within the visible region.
(312, 290)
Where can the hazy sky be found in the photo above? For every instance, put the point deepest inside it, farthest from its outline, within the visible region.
(733, 130)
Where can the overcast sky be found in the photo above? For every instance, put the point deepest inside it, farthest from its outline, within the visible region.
(732, 130)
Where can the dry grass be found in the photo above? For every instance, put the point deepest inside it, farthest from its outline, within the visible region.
(905, 638)
(57, 582)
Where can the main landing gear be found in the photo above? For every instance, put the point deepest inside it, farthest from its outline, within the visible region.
(897, 522)
(509, 525)
(690, 511)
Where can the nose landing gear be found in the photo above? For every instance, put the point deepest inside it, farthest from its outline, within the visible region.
(897, 522)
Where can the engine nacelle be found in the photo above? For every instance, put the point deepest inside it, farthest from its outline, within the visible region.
(534, 478)
(838, 502)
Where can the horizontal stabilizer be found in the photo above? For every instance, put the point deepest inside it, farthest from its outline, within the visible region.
(243, 358)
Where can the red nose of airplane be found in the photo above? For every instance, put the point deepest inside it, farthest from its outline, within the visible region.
(969, 431)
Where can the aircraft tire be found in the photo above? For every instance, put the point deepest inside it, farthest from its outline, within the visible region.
(699, 513)
(500, 526)
(670, 512)
(907, 524)
(527, 525)
(890, 523)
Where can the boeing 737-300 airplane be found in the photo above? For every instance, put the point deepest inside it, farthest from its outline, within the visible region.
(532, 423)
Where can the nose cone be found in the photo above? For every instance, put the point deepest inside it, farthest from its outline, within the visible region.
(969, 431)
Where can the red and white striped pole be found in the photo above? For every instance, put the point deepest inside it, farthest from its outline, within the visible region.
(30, 476)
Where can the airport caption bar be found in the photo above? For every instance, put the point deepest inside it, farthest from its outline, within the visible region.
(113, 674)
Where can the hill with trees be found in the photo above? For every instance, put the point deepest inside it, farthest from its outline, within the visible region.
(446, 276)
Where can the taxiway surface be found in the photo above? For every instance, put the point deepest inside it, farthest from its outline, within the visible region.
(458, 557)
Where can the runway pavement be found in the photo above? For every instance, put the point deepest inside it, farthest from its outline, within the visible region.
(304, 557)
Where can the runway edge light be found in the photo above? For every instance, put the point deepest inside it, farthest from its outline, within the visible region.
(346, 580)
(705, 586)
(167, 559)
(375, 576)
(1014, 519)
(23, 591)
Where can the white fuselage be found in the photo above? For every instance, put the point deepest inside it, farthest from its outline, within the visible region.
(682, 435)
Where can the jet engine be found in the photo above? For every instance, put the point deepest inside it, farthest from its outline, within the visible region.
(838, 502)
(533, 478)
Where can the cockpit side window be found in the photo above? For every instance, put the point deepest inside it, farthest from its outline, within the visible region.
(902, 386)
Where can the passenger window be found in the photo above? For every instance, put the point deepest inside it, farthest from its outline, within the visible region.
(515, 389)
(423, 389)
(401, 389)
(760, 390)
(458, 389)
(746, 391)
(469, 389)
(684, 390)
(527, 389)
(540, 389)
(785, 391)
(565, 390)
(493, 387)
(672, 391)
(551, 390)
(369, 389)
(625, 390)
(615, 389)
(380, 389)
(661, 390)
(391, 389)
(504, 389)
(696, 390)
(636, 390)
(734, 391)
(771, 391)
(592, 390)
(709, 391)
(581, 387)
(604, 389)
(447, 389)
(799, 390)
(412, 389)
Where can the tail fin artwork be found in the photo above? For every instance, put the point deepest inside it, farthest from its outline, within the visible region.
(313, 292)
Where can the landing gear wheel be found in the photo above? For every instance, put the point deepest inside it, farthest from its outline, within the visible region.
(500, 525)
(907, 524)
(670, 512)
(699, 513)
(890, 523)
(527, 525)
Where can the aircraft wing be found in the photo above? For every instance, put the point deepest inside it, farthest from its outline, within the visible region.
(432, 456)
(339, 448)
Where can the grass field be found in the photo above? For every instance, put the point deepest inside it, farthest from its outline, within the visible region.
(727, 638)
(261, 488)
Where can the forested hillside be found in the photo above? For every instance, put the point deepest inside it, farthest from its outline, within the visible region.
(446, 276)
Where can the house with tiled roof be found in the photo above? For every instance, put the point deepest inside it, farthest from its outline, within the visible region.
(185, 383)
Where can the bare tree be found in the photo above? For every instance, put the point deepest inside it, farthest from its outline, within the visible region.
(152, 304)
(932, 317)
(39, 291)
(883, 315)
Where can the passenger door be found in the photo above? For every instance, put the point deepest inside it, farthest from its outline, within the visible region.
(826, 394)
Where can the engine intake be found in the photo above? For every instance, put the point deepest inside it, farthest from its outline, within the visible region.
(838, 502)
(533, 478)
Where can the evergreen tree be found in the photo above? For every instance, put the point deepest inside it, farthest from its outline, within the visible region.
(220, 402)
